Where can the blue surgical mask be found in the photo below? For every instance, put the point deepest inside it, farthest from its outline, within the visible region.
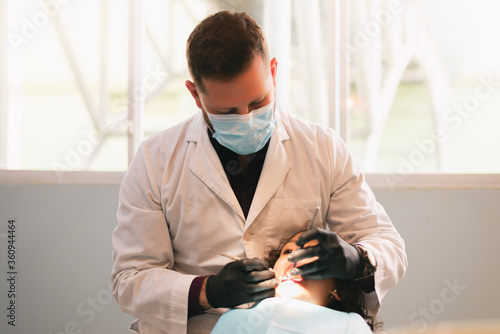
(244, 134)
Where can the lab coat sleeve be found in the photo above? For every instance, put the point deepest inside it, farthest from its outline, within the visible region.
(357, 217)
(142, 280)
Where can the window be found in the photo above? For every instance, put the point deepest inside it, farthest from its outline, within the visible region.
(85, 81)
(425, 86)
(64, 92)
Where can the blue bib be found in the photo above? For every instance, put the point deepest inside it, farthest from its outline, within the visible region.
(281, 315)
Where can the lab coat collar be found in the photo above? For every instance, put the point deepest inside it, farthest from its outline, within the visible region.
(275, 168)
(206, 165)
(197, 128)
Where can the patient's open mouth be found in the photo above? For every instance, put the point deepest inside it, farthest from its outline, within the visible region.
(288, 277)
(295, 279)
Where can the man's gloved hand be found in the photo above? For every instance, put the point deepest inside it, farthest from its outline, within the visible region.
(239, 282)
(336, 258)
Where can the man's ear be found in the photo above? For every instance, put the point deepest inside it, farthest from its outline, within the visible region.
(194, 92)
(274, 70)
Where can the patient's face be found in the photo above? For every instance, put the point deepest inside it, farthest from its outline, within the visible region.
(313, 291)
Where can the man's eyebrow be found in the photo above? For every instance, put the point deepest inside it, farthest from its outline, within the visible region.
(256, 101)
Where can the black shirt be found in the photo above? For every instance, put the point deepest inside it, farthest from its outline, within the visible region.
(243, 184)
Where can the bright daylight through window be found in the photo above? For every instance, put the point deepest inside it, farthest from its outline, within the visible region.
(425, 86)
(424, 91)
(65, 95)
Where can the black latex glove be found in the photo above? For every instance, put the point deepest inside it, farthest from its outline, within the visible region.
(337, 258)
(243, 281)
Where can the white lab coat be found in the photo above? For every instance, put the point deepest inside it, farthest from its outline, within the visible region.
(177, 211)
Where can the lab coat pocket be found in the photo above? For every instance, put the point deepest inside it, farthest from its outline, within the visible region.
(287, 217)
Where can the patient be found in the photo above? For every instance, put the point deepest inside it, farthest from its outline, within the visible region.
(301, 305)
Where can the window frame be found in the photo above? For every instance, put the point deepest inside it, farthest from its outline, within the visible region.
(338, 92)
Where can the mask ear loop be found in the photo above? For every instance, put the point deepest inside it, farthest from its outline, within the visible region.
(209, 128)
(205, 116)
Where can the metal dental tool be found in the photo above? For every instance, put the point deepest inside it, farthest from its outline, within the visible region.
(235, 258)
(308, 228)
(229, 256)
(314, 216)
(232, 257)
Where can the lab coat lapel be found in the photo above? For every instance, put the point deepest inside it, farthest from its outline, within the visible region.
(275, 168)
(206, 165)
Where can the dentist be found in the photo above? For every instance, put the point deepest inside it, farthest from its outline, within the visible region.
(238, 178)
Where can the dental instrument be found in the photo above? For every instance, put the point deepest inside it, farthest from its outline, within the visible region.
(308, 228)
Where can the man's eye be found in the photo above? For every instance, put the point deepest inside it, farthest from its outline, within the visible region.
(227, 112)
(258, 105)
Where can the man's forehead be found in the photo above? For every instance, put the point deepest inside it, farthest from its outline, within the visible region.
(227, 95)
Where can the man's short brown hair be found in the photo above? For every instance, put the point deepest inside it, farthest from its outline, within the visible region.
(223, 45)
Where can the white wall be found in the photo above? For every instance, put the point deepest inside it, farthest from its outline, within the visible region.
(63, 257)
(451, 239)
